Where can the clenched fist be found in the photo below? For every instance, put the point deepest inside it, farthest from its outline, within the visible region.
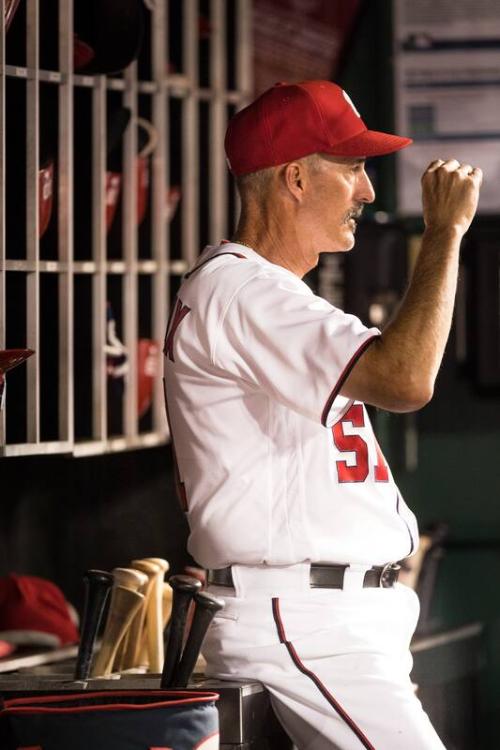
(450, 192)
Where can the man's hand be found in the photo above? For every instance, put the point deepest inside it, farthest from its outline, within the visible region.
(450, 193)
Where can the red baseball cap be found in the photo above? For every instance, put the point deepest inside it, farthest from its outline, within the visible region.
(292, 120)
(34, 610)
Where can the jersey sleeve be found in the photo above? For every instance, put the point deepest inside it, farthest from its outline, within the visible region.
(296, 347)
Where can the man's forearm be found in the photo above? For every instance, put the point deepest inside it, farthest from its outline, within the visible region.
(397, 372)
(414, 341)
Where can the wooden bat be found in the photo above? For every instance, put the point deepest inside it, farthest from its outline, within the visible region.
(133, 654)
(124, 604)
(154, 617)
(97, 586)
(129, 577)
(184, 589)
(125, 601)
(137, 582)
(206, 607)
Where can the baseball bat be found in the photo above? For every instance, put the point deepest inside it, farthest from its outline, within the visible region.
(130, 578)
(166, 604)
(135, 580)
(154, 617)
(124, 604)
(97, 586)
(207, 606)
(132, 655)
(125, 601)
(195, 572)
(183, 590)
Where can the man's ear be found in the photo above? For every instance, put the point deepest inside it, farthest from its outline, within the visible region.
(293, 176)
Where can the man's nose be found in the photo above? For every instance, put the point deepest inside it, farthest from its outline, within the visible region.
(364, 189)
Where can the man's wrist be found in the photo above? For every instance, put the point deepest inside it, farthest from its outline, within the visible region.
(446, 232)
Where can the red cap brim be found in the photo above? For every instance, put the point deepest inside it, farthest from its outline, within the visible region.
(370, 143)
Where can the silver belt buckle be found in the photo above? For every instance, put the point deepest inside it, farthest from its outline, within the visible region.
(385, 582)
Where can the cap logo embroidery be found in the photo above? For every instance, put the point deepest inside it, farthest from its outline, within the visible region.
(349, 101)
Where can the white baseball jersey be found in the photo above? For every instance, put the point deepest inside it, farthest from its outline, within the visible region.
(274, 465)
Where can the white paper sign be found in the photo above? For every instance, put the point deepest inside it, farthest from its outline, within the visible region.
(447, 75)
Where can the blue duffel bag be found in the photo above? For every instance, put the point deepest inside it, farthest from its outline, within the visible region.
(112, 720)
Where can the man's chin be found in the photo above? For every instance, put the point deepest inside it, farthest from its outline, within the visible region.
(349, 240)
(344, 245)
(341, 244)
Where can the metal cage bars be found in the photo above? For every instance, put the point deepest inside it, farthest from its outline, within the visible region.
(161, 90)
(3, 331)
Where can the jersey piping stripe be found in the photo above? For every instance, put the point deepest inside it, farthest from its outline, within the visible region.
(412, 543)
(315, 679)
(343, 376)
(181, 488)
(196, 268)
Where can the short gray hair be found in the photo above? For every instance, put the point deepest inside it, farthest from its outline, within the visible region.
(256, 184)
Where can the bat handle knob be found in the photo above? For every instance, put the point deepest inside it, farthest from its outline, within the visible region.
(207, 607)
(97, 586)
(184, 589)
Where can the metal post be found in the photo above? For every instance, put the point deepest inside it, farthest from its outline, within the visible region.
(244, 65)
(218, 122)
(244, 49)
(32, 222)
(99, 395)
(3, 330)
(129, 238)
(159, 234)
(190, 142)
(65, 223)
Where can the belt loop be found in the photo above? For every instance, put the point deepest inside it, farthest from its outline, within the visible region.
(354, 576)
(239, 587)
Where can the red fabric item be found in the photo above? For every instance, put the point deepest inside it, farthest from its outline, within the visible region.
(142, 165)
(148, 366)
(35, 604)
(292, 120)
(82, 53)
(45, 196)
(6, 648)
(10, 358)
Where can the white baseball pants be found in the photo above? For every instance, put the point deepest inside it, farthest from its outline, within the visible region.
(336, 662)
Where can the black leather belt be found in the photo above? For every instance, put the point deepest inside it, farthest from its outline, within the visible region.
(323, 576)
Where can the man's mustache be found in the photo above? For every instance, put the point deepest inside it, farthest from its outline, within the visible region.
(354, 213)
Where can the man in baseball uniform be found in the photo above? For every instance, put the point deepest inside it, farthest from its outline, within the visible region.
(292, 507)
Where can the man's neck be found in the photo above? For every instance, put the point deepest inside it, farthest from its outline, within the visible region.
(275, 247)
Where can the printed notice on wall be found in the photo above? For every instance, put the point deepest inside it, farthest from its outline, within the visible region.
(447, 75)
